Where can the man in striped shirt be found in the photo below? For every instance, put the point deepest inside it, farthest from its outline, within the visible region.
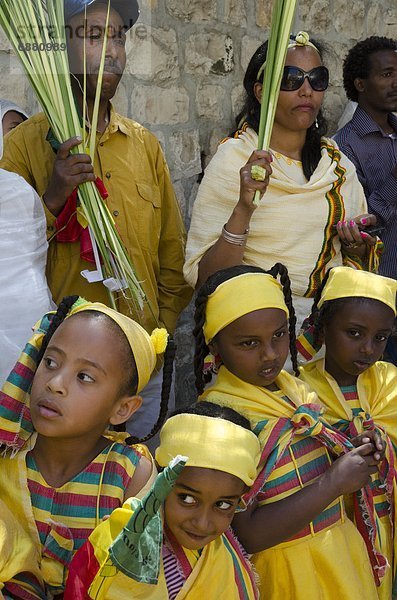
(370, 138)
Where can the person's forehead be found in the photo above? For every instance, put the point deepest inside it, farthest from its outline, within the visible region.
(383, 59)
(302, 54)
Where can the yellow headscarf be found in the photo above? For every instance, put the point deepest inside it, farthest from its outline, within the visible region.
(345, 282)
(210, 443)
(238, 297)
(145, 347)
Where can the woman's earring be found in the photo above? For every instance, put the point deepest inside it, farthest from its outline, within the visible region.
(316, 123)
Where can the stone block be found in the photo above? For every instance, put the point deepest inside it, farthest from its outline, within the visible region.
(390, 23)
(248, 46)
(333, 107)
(152, 54)
(192, 10)
(13, 81)
(350, 20)
(375, 20)
(315, 15)
(263, 13)
(210, 101)
(120, 100)
(209, 53)
(217, 134)
(184, 151)
(158, 106)
(148, 4)
(179, 193)
(235, 12)
(4, 43)
(238, 97)
(333, 58)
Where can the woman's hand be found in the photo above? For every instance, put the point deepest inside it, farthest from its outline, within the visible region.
(254, 180)
(374, 437)
(354, 239)
(352, 471)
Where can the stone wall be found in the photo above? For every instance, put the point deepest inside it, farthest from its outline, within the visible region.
(186, 61)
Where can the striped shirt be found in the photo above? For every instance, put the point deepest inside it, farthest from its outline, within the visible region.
(303, 462)
(67, 515)
(382, 505)
(374, 155)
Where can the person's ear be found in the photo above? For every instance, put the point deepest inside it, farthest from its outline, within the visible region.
(359, 84)
(124, 409)
(258, 91)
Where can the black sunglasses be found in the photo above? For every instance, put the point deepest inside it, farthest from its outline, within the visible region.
(293, 78)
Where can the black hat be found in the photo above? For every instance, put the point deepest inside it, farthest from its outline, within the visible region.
(127, 9)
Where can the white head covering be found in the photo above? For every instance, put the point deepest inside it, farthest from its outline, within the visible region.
(5, 107)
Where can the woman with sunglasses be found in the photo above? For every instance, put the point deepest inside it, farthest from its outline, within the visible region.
(312, 214)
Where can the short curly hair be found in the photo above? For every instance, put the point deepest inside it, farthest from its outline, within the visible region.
(357, 61)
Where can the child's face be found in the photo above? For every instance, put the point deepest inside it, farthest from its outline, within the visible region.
(201, 505)
(76, 389)
(255, 346)
(355, 338)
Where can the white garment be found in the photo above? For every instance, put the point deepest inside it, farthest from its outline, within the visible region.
(24, 294)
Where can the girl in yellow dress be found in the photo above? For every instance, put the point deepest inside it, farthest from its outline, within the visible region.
(182, 548)
(305, 547)
(63, 470)
(353, 315)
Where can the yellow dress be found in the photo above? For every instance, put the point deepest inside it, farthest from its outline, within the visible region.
(327, 560)
(18, 555)
(372, 403)
(220, 572)
(59, 520)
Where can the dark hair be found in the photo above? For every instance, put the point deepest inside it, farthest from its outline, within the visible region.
(319, 317)
(201, 348)
(168, 366)
(311, 151)
(129, 386)
(357, 63)
(209, 409)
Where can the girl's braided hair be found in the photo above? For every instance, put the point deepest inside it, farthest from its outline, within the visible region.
(201, 348)
(60, 315)
(130, 385)
(209, 409)
(311, 151)
(168, 367)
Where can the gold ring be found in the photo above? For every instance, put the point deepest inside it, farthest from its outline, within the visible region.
(258, 173)
(351, 244)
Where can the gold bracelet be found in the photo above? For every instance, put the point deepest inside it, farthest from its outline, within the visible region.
(237, 239)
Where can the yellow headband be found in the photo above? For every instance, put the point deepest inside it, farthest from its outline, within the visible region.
(239, 296)
(210, 443)
(302, 38)
(345, 282)
(145, 348)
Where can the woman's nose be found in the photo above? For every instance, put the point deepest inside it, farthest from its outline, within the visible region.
(306, 88)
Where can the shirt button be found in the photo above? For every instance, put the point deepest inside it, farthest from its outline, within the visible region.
(101, 144)
(116, 213)
(108, 175)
